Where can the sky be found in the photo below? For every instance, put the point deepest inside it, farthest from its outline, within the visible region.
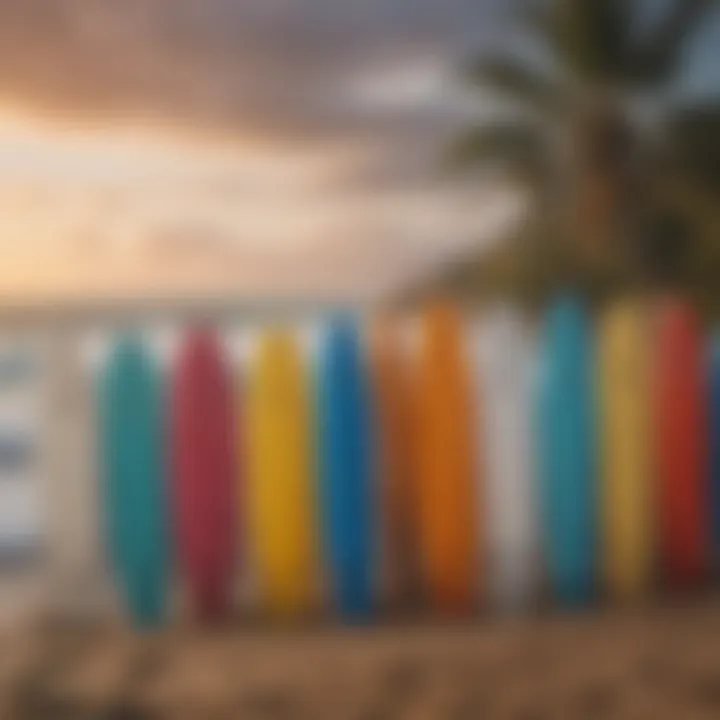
(237, 147)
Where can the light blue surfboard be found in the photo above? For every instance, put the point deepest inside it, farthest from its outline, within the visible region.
(345, 470)
(133, 461)
(567, 455)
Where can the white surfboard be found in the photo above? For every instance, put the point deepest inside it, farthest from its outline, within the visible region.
(73, 543)
(504, 346)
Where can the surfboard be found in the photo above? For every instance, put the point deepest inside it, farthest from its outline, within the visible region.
(504, 347)
(281, 491)
(345, 470)
(78, 573)
(391, 390)
(682, 445)
(626, 484)
(714, 415)
(446, 464)
(566, 433)
(134, 486)
(205, 477)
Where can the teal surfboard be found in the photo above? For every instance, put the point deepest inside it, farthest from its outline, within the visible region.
(566, 435)
(134, 480)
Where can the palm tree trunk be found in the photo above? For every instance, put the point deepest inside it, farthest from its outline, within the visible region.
(605, 205)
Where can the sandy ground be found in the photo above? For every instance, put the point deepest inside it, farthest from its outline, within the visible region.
(662, 662)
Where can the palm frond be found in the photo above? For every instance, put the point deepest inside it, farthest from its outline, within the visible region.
(517, 148)
(513, 79)
(589, 38)
(658, 58)
(693, 145)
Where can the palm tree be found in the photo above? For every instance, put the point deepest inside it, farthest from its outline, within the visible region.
(595, 131)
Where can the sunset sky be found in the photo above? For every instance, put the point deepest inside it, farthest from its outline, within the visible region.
(245, 147)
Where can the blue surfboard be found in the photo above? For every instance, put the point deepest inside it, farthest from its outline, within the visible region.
(134, 480)
(714, 418)
(345, 470)
(566, 435)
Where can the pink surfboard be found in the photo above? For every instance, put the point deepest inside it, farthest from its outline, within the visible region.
(204, 473)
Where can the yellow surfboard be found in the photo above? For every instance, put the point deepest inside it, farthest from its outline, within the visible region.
(625, 416)
(446, 464)
(280, 490)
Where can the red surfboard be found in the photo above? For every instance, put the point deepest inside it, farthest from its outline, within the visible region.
(204, 473)
(682, 445)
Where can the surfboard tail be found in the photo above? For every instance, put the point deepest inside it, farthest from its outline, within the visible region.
(147, 605)
(210, 600)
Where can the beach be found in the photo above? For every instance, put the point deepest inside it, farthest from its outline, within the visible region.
(654, 662)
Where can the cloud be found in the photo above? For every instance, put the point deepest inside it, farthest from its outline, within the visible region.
(336, 111)
(238, 65)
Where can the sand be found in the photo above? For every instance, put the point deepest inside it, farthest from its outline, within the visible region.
(662, 662)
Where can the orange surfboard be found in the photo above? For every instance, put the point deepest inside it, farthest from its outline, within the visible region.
(445, 464)
(391, 389)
